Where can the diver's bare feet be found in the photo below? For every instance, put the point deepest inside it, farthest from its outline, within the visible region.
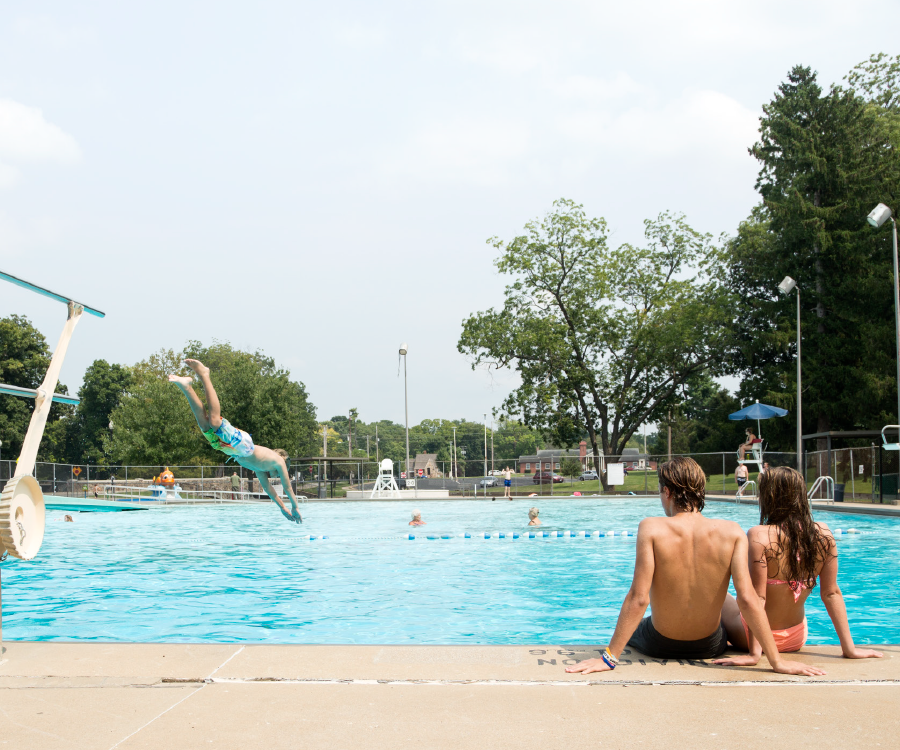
(197, 366)
(181, 380)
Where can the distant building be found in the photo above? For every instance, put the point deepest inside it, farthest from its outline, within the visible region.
(549, 459)
(426, 463)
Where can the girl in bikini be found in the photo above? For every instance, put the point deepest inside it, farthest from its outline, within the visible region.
(788, 553)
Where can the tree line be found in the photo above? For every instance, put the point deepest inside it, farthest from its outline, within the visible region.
(607, 339)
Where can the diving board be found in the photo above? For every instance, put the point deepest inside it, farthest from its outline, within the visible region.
(47, 293)
(14, 390)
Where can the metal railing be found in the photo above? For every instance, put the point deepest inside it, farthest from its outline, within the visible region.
(826, 482)
(739, 495)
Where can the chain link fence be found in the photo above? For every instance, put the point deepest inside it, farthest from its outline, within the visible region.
(862, 474)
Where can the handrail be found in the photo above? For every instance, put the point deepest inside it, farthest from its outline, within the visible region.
(884, 443)
(14, 390)
(829, 489)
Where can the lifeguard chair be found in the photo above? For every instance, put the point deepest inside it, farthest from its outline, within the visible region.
(385, 481)
(757, 449)
(884, 443)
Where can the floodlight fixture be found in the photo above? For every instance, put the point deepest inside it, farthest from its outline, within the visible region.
(880, 214)
(403, 349)
(787, 285)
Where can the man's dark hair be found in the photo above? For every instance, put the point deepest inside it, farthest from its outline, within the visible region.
(686, 482)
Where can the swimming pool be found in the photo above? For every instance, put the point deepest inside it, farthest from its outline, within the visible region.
(243, 574)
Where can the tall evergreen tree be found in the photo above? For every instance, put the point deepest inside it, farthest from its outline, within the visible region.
(827, 158)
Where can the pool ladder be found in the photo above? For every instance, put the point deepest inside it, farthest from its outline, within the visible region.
(826, 482)
(739, 497)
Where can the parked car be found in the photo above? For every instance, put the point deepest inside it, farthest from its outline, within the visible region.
(545, 477)
(590, 474)
(488, 482)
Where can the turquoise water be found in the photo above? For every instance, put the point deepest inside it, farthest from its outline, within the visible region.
(242, 573)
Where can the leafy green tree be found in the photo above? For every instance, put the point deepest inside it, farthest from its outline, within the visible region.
(24, 359)
(103, 387)
(700, 421)
(602, 338)
(154, 426)
(570, 467)
(827, 158)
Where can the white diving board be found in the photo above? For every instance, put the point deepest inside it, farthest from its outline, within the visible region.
(14, 390)
(47, 293)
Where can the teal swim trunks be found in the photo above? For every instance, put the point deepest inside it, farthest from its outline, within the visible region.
(230, 440)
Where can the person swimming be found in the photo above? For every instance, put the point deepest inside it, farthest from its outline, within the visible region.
(533, 519)
(417, 518)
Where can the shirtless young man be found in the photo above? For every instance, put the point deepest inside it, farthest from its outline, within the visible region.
(233, 442)
(682, 568)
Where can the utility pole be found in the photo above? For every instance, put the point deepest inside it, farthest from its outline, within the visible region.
(377, 459)
(367, 447)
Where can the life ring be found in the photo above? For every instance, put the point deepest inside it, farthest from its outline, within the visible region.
(22, 517)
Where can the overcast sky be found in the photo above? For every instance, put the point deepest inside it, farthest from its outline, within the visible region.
(317, 180)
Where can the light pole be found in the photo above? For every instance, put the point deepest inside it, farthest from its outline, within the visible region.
(485, 445)
(455, 466)
(785, 287)
(403, 350)
(879, 215)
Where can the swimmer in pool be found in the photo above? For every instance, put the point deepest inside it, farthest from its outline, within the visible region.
(233, 442)
(533, 519)
(417, 518)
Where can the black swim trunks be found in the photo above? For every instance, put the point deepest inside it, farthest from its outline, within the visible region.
(648, 640)
(741, 481)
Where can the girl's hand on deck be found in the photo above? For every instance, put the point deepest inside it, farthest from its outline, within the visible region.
(863, 653)
(796, 667)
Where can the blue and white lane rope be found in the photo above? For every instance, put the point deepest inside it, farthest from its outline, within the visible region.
(521, 535)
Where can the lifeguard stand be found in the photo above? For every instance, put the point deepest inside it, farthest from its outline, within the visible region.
(385, 481)
(884, 443)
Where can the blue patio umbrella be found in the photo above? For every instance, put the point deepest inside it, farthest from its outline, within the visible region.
(758, 411)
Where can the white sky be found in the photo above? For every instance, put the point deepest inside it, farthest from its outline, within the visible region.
(318, 180)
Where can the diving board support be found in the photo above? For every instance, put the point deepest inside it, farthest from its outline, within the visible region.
(43, 398)
(14, 390)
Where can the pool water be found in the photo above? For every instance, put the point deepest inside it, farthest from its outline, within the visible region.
(242, 573)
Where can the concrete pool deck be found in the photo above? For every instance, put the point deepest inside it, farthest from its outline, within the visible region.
(109, 695)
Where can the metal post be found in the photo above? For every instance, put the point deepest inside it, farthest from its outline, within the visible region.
(455, 465)
(493, 468)
(723, 471)
(669, 422)
(852, 477)
(377, 459)
(897, 314)
(406, 413)
(800, 466)
(485, 447)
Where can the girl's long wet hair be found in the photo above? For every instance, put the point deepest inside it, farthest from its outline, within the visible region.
(801, 546)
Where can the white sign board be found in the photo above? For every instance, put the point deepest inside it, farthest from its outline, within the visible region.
(615, 473)
(410, 482)
(861, 472)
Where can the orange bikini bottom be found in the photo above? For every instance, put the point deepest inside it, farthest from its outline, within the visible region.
(790, 639)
